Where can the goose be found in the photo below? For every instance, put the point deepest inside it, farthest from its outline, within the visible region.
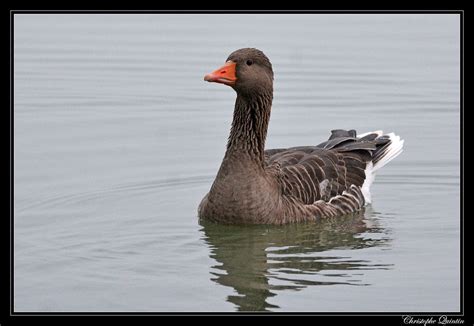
(255, 185)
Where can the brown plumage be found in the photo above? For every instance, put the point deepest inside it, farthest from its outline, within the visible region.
(296, 184)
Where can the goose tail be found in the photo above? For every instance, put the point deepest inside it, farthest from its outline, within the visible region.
(387, 152)
(381, 156)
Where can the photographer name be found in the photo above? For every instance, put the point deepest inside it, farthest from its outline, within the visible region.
(442, 320)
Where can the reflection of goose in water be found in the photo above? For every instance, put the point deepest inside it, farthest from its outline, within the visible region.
(259, 261)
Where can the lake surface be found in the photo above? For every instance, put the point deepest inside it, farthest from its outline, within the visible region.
(117, 138)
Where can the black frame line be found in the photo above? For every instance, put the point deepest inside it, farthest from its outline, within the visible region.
(231, 12)
(462, 311)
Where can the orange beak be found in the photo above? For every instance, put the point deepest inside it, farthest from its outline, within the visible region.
(223, 75)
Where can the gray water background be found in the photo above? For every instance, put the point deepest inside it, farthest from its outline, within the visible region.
(117, 138)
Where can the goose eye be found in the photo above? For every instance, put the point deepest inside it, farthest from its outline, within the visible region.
(249, 62)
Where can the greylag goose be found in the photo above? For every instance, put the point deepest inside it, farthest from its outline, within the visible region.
(297, 184)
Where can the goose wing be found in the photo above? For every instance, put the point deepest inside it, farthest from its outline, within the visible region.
(322, 172)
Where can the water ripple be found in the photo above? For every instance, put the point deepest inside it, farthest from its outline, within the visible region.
(127, 189)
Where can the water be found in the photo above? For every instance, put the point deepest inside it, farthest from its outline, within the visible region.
(117, 138)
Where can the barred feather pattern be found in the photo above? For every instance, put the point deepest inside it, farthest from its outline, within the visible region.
(324, 180)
